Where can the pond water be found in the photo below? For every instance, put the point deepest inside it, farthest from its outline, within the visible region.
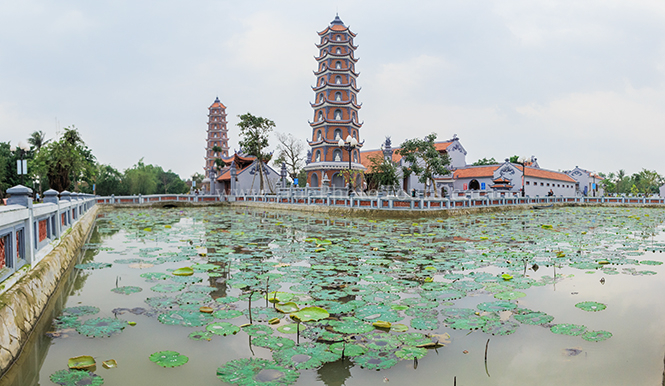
(546, 297)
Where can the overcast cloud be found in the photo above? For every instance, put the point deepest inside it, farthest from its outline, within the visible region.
(573, 83)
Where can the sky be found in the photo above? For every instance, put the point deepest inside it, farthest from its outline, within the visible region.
(573, 83)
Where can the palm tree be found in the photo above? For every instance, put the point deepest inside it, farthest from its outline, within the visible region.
(38, 139)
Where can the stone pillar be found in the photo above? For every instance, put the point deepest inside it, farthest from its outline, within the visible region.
(20, 195)
(51, 196)
(65, 196)
(234, 175)
(282, 174)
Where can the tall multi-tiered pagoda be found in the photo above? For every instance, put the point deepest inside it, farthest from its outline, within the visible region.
(217, 136)
(335, 109)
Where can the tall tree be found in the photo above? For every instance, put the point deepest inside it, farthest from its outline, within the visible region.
(290, 150)
(382, 172)
(108, 180)
(141, 179)
(254, 132)
(38, 139)
(423, 160)
(66, 161)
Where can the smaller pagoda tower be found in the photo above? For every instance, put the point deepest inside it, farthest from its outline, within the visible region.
(217, 136)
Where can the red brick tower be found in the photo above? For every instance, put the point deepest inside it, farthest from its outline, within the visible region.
(217, 135)
(335, 109)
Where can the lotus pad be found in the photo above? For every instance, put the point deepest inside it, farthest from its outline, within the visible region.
(201, 335)
(409, 352)
(226, 314)
(347, 349)
(413, 338)
(350, 325)
(185, 318)
(168, 358)
(93, 266)
(273, 342)
(277, 296)
(596, 336)
(497, 327)
(533, 317)
(381, 341)
(472, 322)
(500, 305)
(287, 308)
(306, 356)
(81, 310)
(257, 330)
(376, 360)
(591, 306)
(509, 295)
(101, 327)
(154, 276)
(425, 323)
(290, 328)
(310, 313)
(373, 313)
(568, 329)
(256, 371)
(263, 314)
(161, 302)
(168, 287)
(75, 378)
(126, 290)
(223, 328)
(66, 321)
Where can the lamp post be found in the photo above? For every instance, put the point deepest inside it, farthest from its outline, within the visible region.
(21, 164)
(350, 144)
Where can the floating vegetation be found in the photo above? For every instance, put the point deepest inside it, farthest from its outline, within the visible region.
(306, 356)
(591, 306)
(256, 371)
(568, 329)
(376, 360)
(185, 318)
(101, 327)
(81, 310)
(126, 290)
(93, 266)
(273, 342)
(596, 336)
(223, 328)
(168, 358)
(75, 378)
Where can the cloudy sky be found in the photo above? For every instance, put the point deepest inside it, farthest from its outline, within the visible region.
(571, 82)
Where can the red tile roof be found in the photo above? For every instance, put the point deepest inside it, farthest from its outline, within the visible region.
(547, 174)
(475, 171)
(366, 155)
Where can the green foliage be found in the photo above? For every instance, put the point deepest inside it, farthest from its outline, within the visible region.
(490, 161)
(108, 181)
(643, 182)
(254, 132)
(514, 159)
(382, 172)
(423, 159)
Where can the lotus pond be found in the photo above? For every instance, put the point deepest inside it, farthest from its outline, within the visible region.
(215, 296)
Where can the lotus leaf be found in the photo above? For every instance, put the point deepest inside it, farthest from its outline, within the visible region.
(413, 338)
(256, 371)
(227, 300)
(76, 377)
(154, 276)
(310, 313)
(185, 318)
(66, 321)
(287, 308)
(371, 313)
(93, 266)
(425, 323)
(263, 314)
(101, 327)
(471, 322)
(257, 330)
(422, 312)
(380, 298)
(568, 329)
(168, 358)
(509, 295)
(126, 290)
(596, 336)
(306, 356)
(81, 310)
(167, 287)
(499, 327)
(533, 317)
(226, 314)
(291, 328)
(194, 297)
(201, 335)
(184, 271)
(161, 302)
(110, 364)
(591, 306)
(128, 261)
(500, 305)
(347, 349)
(83, 362)
(381, 341)
(281, 297)
(453, 313)
(409, 353)
(376, 360)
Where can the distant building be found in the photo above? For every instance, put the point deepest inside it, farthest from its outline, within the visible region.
(588, 183)
(217, 135)
(241, 173)
(335, 109)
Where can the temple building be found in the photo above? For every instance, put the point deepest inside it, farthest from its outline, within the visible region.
(335, 110)
(241, 173)
(217, 136)
(588, 183)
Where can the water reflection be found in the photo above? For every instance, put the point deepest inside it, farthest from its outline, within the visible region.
(335, 373)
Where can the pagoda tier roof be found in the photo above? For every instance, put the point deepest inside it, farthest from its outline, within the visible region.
(336, 70)
(341, 86)
(337, 29)
(334, 103)
(324, 142)
(346, 56)
(217, 103)
(345, 122)
(325, 42)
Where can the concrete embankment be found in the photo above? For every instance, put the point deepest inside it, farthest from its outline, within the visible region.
(23, 304)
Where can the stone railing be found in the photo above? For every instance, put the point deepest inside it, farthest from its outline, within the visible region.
(27, 230)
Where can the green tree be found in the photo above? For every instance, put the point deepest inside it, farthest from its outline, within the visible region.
(647, 181)
(514, 159)
(141, 179)
(38, 139)
(198, 178)
(66, 161)
(485, 161)
(254, 132)
(108, 181)
(382, 172)
(423, 159)
(169, 182)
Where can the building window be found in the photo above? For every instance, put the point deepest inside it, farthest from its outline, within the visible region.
(355, 156)
(320, 116)
(338, 80)
(338, 65)
(528, 183)
(337, 155)
(338, 134)
(318, 156)
(548, 184)
(338, 38)
(321, 97)
(353, 117)
(338, 115)
(338, 96)
(541, 184)
(338, 51)
(318, 135)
